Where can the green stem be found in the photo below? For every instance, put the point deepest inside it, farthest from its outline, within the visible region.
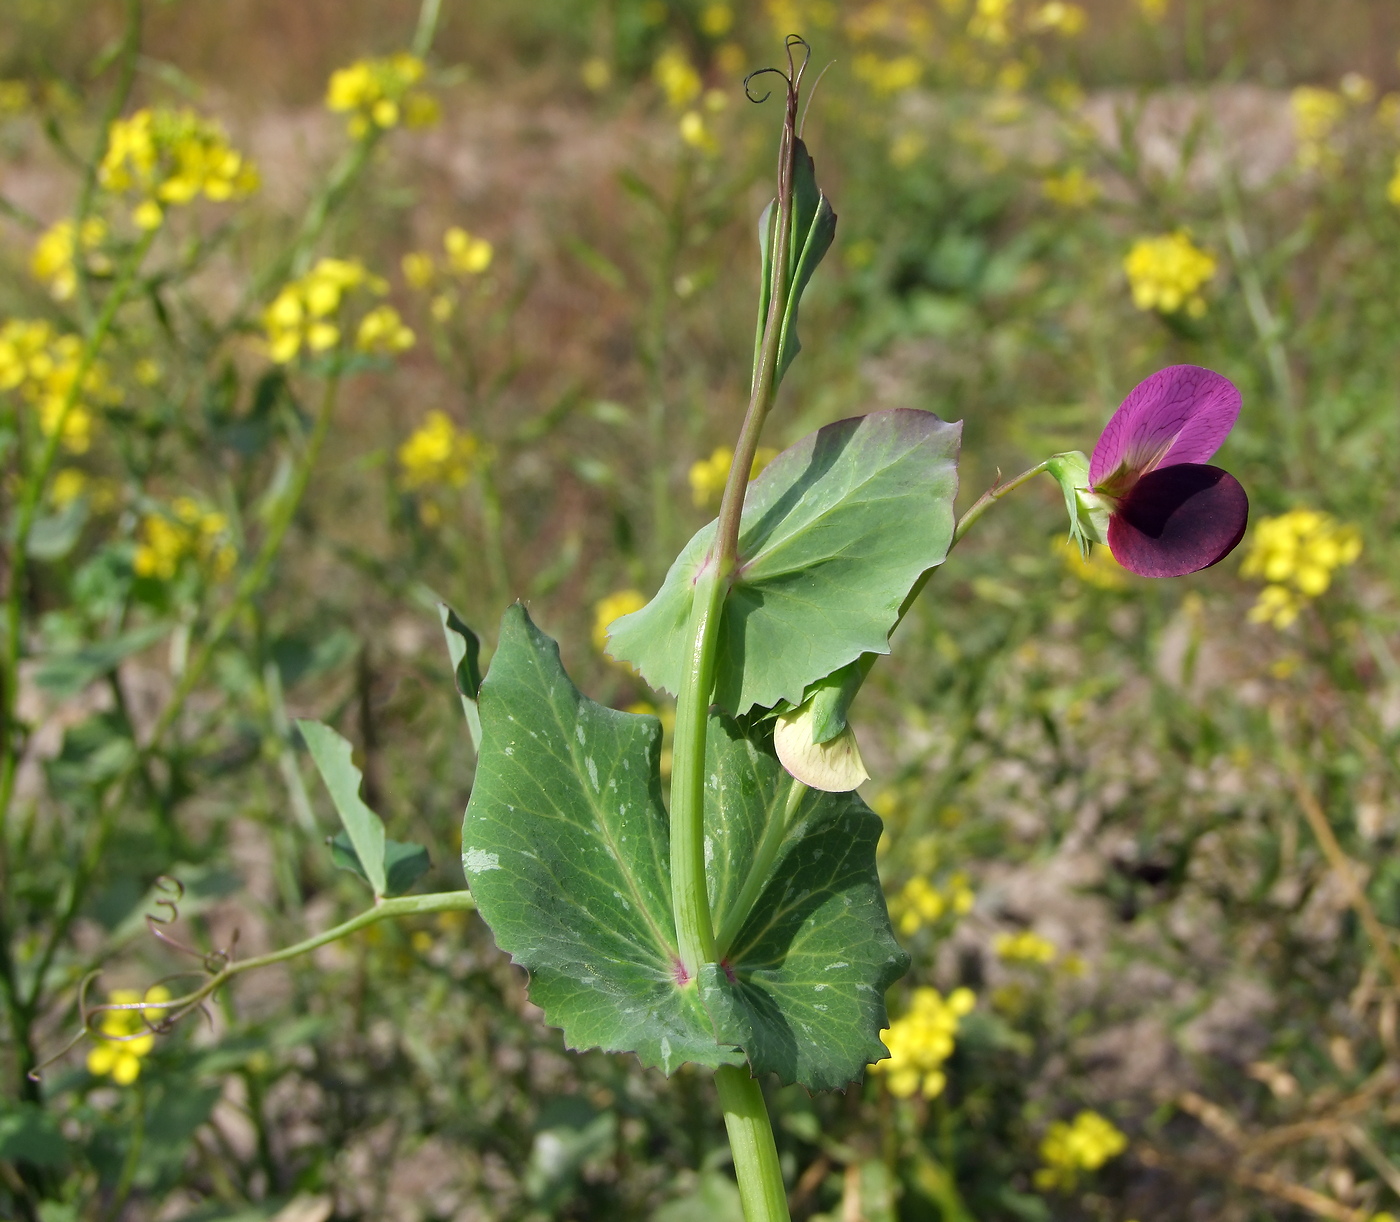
(756, 1166)
(990, 498)
(383, 910)
(690, 896)
(760, 868)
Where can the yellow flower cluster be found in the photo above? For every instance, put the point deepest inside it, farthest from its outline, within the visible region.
(14, 98)
(128, 1035)
(1098, 568)
(921, 1040)
(1167, 273)
(438, 454)
(919, 903)
(378, 94)
(888, 76)
(304, 313)
(1316, 115)
(1025, 947)
(186, 532)
(677, 77)
(1059, 18)
(170, 157)
(54, 261)
(1069, 1149)
(1296, 553)
(614, 606)
(43, 367)
(1392, 190)
(708, 476)
(1072, 189)
(466, 255)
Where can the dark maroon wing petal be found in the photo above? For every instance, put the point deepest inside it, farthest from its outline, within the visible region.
(1186, 409)
(1177, 520)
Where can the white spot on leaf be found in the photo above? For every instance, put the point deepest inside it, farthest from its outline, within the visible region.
(478, 861)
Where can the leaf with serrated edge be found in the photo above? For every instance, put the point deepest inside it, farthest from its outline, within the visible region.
(802, 989)
(342, 778)
(835, 532)
(566, 847)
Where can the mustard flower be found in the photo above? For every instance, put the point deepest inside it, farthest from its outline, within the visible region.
(677, 77)
(383, 331)
(708, 475)
(990, 22)
(54, 261)
(42, 366)
(186, 532)
(1027, 946)
(378, 94)
(69, 483)
(304, 314)
(1068, 1150)
(14, 98)
(888, 76)
(1098, 568)
(1072, 189)
(920, 904)
(1296, 554)
(1167, 273)
(126, 1035)
(614, 606)
(467, 255)
(1059, 18)
(169, 157)
(438, 454)
(419, 270)
(921, 1040)
(694, 133)
(1392, 190)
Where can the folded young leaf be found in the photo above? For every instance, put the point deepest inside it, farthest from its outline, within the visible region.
(342, 778)
(566, 848)
(404, 864)
(835, 532)
(802, 988)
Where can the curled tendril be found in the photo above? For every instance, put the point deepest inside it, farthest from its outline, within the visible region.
(793, 75)
(213, 961)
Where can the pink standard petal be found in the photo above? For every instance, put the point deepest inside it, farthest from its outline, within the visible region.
(1178, 520)
(1178, 415)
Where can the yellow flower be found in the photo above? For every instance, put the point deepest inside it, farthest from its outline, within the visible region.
(716, 20)
(1392, 190)
(68, 485)
(1072, 189)
(595, 74)
(186, 531)
(614, 606)
(300, 314)
(1099, 568)
(1316, 114)
(43, 367)
(146, 371)
(438, 454)
(378, 94)
(677, 77)
(888, 76)
(920, 903)
(467, 255)
(128, 1035)
(1153, 10)
(990, 22)
(14, 97)
(696, 134)
(1069, 1149)
(1296, 553)
(1025, 947)
(170, 157)
(1167, 274)
(418, 269)
(1060, 18)
(55, 254)
(921, 1040)
(708, 476)
(382, 331)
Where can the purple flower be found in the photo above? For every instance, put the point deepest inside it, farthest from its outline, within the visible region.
(1170, 513)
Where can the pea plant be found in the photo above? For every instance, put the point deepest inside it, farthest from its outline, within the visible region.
(736, 922)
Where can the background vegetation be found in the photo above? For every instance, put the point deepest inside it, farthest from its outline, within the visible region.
(1140, 836)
